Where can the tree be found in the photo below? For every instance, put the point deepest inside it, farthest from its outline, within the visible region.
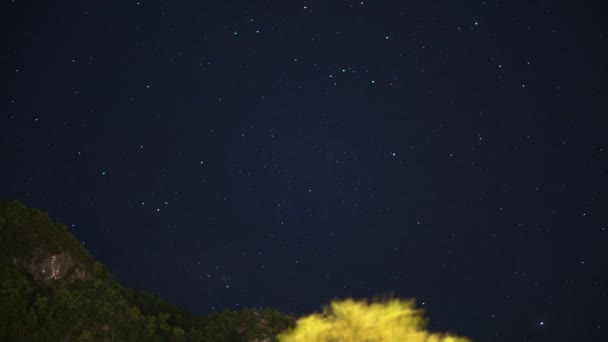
(360, 321)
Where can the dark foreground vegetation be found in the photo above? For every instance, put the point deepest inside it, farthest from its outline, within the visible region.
(52, 289)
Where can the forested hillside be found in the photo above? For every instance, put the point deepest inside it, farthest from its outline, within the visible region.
(52, 289)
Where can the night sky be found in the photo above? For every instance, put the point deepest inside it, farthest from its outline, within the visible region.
(233, 154)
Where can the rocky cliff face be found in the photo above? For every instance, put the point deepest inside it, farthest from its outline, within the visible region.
(39, 247)
(54, 267)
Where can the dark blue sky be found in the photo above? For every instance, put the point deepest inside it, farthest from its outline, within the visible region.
(279, 153)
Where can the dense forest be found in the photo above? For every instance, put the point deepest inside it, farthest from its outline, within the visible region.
(52, 289)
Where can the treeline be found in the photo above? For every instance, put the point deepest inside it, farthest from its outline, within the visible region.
(52, 289)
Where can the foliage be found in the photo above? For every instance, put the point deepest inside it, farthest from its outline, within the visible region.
(86, 303)
(360, 321)
(94, 306)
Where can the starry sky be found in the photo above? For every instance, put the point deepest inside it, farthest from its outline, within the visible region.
(235, 154)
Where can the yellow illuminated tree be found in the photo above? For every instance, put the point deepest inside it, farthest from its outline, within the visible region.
(349, 320)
